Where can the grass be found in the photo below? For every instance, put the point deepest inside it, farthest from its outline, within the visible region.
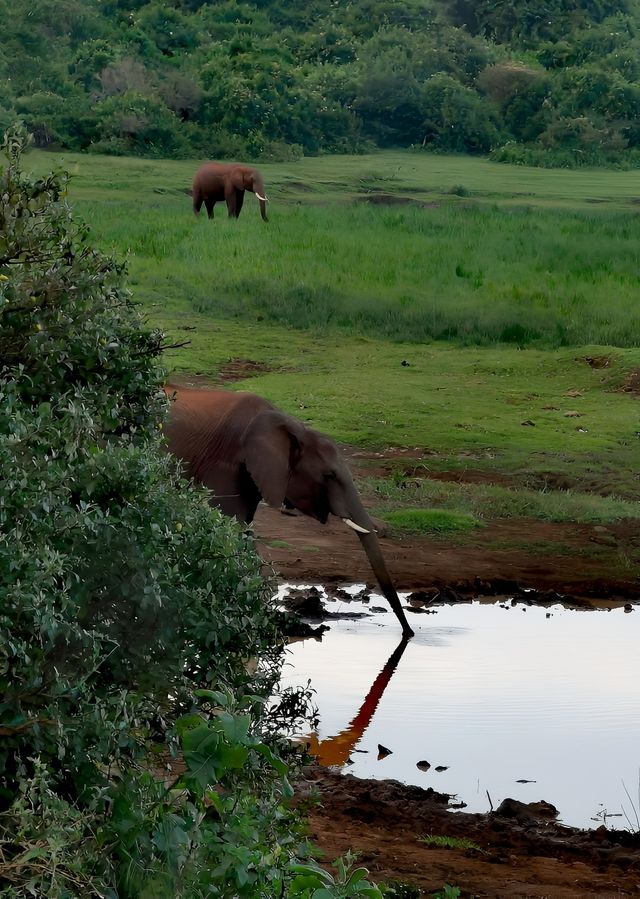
(430, 521)
(446, 842)
(480, 502)
(279, 544)
(449, 307)
(545, 271)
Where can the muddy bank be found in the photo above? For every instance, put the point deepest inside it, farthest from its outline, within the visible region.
(521, 853)
(568, 559)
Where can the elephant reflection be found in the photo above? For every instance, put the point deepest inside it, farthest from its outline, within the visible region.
(244, 449)
(336, 750)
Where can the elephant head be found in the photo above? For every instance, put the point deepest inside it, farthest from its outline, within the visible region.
(250, 179)
(295, 465)
(244, 449)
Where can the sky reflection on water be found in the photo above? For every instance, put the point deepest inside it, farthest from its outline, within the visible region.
(496, 695)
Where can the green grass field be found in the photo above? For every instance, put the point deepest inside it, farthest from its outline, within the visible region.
(486, 316)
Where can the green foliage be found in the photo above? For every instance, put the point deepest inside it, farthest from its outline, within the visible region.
(256, 78)
(447, 892)
(129, 606)
(313, 882)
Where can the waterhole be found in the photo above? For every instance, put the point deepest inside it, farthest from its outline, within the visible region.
(489, 700)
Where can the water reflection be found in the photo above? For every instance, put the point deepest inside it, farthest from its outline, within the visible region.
(337, 750)
(520, 701)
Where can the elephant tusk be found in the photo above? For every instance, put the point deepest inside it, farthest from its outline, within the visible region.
(356, 527)
(264, 199)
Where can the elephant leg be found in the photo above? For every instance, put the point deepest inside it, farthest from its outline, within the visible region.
(239, 201)
(209, 204)
(231, 201)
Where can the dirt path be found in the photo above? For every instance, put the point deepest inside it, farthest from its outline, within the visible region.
(519, 856)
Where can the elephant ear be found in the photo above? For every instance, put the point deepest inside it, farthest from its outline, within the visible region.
(272, 445)
(238, 179)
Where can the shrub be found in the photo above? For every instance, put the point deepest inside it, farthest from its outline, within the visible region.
(129, 606)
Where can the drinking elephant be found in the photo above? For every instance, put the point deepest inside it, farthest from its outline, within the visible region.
(244, 449)
(227, 181)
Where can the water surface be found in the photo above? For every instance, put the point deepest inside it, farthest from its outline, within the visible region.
(494, 694)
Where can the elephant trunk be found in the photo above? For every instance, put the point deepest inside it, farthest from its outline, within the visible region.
(263, 207)
(372, 548)
(354, 515)
(258, 189)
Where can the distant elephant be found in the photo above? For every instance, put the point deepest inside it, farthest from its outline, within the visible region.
(244, 449)
(227, 181)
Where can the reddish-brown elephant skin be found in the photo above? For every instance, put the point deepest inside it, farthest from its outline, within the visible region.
(244, 449)
(218, 181)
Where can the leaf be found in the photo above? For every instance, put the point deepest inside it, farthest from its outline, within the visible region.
(186, 723)
(236, 727)
(302, 883)
(30, 854)
(198, 739)
(356, 876)
(215, 697)
(275, 762)
(232, 757)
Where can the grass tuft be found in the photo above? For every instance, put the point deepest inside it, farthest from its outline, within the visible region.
(430, 521)
(445, 842)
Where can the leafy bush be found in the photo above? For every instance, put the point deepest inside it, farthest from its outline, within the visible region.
(130, 607)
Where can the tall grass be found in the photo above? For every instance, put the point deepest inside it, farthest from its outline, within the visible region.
(463, 259)
(475, 274)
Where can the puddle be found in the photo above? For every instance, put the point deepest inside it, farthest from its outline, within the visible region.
(492, 693)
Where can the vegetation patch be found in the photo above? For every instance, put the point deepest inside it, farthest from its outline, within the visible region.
(485, 502)
(165, 79)
(431, 521)
(446, 842)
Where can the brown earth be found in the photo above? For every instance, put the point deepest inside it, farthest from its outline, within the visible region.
(521, 855)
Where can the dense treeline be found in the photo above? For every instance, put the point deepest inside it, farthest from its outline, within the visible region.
(551, 82)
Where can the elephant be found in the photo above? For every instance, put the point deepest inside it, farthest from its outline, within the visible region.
(227, 181)
(244, 449)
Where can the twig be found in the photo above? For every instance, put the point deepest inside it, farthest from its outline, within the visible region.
(635, 810)
(174, 346)
(489, 798)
